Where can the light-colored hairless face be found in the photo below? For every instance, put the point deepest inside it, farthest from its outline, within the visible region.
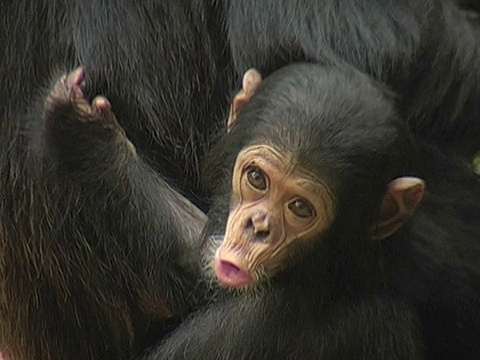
(277, 205)
(273, 205)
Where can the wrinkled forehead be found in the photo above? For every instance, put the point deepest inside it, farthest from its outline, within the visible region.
(280, 162)
(265, 153)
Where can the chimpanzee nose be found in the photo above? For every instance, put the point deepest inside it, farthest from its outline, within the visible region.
(259, 222)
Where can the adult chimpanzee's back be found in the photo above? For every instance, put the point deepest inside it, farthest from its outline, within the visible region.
(427, 51)
(90, 232)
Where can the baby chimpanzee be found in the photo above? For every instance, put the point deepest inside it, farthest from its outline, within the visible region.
(316, 237)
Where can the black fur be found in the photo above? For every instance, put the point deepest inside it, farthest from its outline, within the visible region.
(436, 263)
(85, 242)
(89, 232)
(427, 51)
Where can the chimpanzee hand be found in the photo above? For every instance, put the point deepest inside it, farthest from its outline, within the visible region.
(78, 132)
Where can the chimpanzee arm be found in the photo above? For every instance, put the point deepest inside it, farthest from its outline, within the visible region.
(89, 151)
(264, 327)
(92, 240)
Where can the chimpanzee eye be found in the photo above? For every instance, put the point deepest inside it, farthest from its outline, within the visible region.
(256, 178)
(301, 208)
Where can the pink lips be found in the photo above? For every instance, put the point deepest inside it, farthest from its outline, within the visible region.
(231, 275)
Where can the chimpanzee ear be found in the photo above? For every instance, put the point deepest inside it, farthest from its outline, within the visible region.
(402, 198)
(250, 83)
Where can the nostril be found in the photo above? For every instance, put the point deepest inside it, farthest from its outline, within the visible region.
(258, 229)
(261, 235)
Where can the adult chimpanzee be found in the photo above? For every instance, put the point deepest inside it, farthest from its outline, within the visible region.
(472, 7)
(426, 51)
(106, 274)
(315, 237)
(84, 264)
